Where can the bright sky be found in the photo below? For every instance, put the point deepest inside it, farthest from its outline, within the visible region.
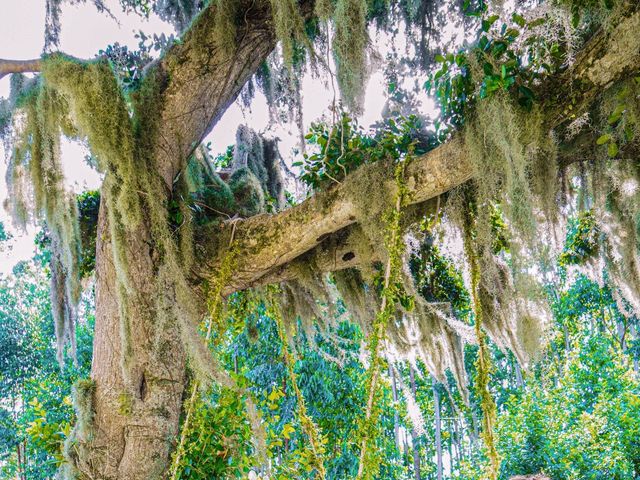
(84, 33)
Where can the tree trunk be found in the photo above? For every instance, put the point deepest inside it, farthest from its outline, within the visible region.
(567, 346)
(635, 334)
(622, 333)
(449, 428)
(414, 437)
(438, 424)
(136, 405)
(518, 371)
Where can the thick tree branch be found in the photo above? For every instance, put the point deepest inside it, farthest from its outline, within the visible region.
(346, 248)
(8, 67)
(269, 242)
(205, 77)
(203, 74)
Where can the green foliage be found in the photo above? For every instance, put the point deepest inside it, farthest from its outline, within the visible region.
(312, 458)
(217, 439)
(36, 413)
(88, 207)
(129, 65)
(499, 61)
(580, 419)
(581, 243)
(343, 147)
(46, 435)
(4, 235)
(437, 279)
(580, 9)
(224, 160)
(333, 393)
(622, 110)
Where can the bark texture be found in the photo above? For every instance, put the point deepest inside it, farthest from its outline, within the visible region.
(139, 363)
(135, 414)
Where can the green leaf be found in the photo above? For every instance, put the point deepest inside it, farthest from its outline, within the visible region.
(616, 115)
(603, 139)
(484, 43)
(486, 24)
(537, 22)
(612, 150)
(526, 92)
(575, 18)
(439, 58)
(519, 20)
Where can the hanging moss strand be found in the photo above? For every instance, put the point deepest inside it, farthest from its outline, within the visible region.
(369, 458)
(483, 361)
(215, 307)
(309, 427)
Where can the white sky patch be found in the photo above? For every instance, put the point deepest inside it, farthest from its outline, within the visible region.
(79, 176)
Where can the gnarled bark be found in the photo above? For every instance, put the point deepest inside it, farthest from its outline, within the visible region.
(138, 383)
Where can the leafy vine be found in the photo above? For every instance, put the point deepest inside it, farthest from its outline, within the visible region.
(392, 292)
(315, 453)
(215, 307)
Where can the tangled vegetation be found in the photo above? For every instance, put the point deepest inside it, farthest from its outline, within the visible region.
(410, 302)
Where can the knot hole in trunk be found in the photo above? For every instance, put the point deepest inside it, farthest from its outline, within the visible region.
(142, 389)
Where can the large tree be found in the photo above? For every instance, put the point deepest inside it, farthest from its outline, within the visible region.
(156, 273)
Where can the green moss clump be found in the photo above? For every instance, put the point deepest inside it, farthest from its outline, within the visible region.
(247, 191)
(125, 404)
(92, 92)
(289, 26)
(324, 9)
(349, 47)
(83, 404)
(226, 23)
(260, 155)
(210, 196)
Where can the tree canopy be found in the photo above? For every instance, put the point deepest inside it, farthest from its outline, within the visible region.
(458, 247)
